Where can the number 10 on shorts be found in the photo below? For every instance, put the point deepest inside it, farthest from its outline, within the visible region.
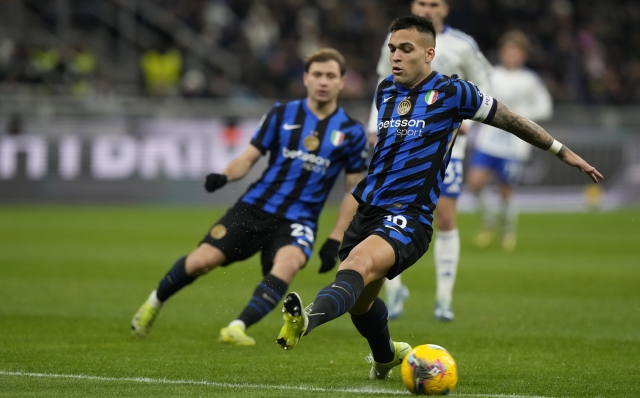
(397, 220)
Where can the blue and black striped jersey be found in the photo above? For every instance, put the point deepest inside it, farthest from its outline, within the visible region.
(306, 157)
(416, 131)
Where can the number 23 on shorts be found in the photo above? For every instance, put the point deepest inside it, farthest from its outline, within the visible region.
(303, 233)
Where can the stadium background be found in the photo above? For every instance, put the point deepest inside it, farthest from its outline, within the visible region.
(104, 101)
(111, 107)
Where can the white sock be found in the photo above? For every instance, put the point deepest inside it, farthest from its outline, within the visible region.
(510, 216)
(393, 289)
(446, 251)
(393, 285)
(238, 322)
(485, 208)
(153, 300)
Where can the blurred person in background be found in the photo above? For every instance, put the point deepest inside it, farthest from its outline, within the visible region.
(457, 54)
(500, 154)
(161, 70)
(82, 67)
(231, 134)
(310, 142)
(44, 64)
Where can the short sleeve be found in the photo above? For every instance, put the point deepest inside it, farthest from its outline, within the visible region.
(473, 104)
(266, 135)
(357, 156)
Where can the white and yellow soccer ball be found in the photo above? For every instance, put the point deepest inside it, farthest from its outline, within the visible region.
(429, 369)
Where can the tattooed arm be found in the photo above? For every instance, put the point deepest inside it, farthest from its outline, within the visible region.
(535, 135)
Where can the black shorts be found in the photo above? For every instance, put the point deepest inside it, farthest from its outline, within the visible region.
(246, 230)
(400, 227)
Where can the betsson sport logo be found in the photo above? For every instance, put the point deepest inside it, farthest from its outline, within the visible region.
(404, 127)
(312, 162)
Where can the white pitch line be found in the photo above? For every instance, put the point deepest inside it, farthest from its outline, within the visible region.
(149, 380)
(205, 383)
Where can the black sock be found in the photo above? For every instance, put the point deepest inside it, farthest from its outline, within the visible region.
(336, 298)
(265, 298)
(175, 280)
(373, 326)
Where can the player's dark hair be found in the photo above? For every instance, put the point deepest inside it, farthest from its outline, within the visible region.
(417, 22)
(324, 55)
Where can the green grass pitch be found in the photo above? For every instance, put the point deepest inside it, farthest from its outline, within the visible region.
(559, 317)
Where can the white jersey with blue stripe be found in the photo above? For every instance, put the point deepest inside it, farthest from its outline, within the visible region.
(524, 93)
(416, 132)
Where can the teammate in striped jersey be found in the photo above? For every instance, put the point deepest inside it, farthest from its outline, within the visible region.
(457, 54)
(310, 141)
(420, 112)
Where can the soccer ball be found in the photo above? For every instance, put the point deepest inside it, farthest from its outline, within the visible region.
(429, 369)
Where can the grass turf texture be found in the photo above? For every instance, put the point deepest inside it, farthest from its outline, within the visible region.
(558, 317)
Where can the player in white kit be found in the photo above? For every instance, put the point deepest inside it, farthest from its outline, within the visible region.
(457, 53)
(500, 153)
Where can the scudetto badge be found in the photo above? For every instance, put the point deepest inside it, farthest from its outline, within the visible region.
(404, 107)
(311, 143)
(218, 231)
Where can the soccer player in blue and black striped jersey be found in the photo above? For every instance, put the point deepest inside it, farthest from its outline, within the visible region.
(310, 142)
(419, 113)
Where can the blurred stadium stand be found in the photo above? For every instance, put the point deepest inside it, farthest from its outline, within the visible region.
(104, 100)
(587, 51)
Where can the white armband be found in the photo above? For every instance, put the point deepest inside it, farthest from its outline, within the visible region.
(486, 110)
(555, 147)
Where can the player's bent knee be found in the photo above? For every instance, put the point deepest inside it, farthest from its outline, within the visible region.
(287, 262)
(446, 224)
(445, 221)
(358, 261)
(478, 178)
(445, 216)
(286, 270)
(204, 259)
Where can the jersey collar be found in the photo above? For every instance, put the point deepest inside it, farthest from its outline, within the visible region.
(305, 106)
(418, 87)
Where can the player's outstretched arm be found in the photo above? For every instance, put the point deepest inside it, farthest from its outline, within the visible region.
(329, 251)
(535, 135)
(235, 170)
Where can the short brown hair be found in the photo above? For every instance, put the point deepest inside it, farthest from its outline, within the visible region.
(324, 55)
(517, 38)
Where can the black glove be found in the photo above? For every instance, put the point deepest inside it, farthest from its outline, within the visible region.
(214, 181)
(329, 255)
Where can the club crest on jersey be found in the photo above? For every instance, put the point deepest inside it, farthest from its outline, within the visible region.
(311, 142)
(218, 231)
(337, 137)
(431, 97)
(404, 107)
